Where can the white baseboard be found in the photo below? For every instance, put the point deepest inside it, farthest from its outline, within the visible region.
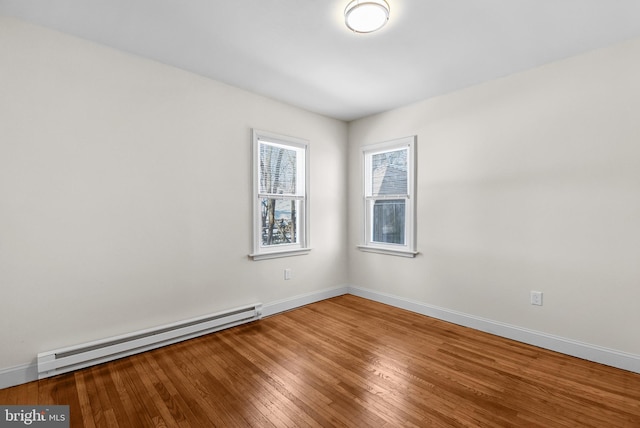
(18, 375)
(598, 354)
(29, 372)
(301, 300)
(24, 373)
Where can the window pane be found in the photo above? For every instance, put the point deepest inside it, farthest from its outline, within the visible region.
(279, 221)
(389, 173)
(277, 170)
(388, 221)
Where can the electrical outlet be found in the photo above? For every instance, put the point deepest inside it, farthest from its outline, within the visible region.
(288, 274)
(536, 298)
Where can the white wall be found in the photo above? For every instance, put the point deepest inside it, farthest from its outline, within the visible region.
(125, 194)
(529, 182)
(125, 197)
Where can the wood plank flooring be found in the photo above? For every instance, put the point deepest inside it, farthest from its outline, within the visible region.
(346, 362)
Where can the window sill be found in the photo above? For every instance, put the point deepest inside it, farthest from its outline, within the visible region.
(279, 254)
(388, 251)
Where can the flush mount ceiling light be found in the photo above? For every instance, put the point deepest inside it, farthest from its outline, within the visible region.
(366, 16)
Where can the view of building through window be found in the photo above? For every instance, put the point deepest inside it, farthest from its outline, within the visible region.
(388, 221)
(389, 178)
(389, 199)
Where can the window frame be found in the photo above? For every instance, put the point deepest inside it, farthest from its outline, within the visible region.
(408, 249)
(261, 252)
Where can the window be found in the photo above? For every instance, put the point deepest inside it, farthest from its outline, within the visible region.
(280, 196)
(389, 198)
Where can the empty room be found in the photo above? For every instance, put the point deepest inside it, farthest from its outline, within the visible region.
(317, 213)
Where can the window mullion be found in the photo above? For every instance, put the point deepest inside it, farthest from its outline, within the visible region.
(280, 219)
(386, 197)
(281, 197)
(389, 220)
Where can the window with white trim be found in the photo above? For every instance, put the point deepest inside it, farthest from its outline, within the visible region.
(280, 187)
(389, 197)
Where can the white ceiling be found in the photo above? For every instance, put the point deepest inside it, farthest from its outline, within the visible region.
(300, 52)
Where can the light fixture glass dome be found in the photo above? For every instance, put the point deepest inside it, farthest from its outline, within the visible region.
(366, 16)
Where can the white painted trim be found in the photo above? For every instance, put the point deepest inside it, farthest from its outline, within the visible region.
(24, 373)
(586, 351)
(301, 300)
(278, 254)
(388, 251)
(18, 375)
(409, 248)
(293, 143)
(29, 372)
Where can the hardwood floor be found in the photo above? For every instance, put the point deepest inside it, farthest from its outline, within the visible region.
(349, 362)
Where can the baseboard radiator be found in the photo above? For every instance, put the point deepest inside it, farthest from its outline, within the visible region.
(64, 360)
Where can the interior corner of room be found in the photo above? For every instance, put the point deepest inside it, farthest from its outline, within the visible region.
(125, 201)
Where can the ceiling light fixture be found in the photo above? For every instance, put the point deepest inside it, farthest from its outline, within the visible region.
(366, 16)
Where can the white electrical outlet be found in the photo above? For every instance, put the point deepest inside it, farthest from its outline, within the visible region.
(536, 298)
(288, 274)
